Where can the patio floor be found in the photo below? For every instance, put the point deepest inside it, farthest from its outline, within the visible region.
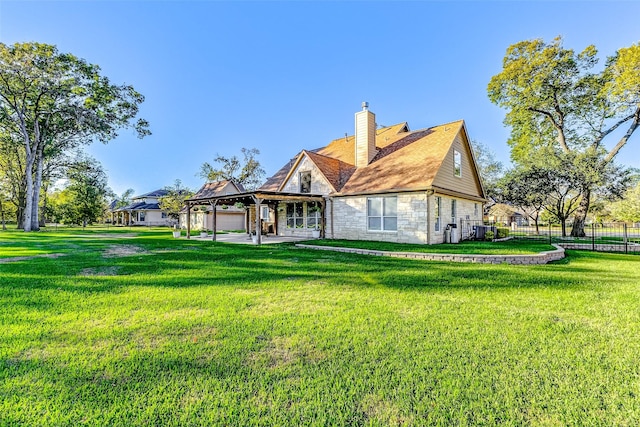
(245, 239)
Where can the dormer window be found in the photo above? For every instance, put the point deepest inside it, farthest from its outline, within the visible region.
(305, 182)
(457, 163)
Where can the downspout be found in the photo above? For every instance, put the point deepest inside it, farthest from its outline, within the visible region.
(332, 217)
(429, 195)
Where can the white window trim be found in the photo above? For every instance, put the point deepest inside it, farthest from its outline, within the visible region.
(382, 216)
(454, 211)
(458, 175)
(300, 174)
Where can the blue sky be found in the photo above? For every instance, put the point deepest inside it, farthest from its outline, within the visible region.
(283, 76)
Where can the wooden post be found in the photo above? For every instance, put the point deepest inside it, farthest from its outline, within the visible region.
(323, 218)
(213, 203)
(188, 220)
(258, 225)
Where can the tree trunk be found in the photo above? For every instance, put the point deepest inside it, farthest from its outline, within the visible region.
(35, 224)
(580, 215)
(4, 225)
(28, 208)
(564, 227)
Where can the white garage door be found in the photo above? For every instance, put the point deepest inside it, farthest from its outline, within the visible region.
(230, 221)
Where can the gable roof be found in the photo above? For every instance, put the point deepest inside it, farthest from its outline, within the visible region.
(405, 161)
(218, 188)
(410, 162)
(139, 206)
(157, 193)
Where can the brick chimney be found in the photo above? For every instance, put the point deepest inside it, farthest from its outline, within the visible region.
(365, 136)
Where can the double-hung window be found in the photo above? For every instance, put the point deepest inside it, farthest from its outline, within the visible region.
(382, 213)
(295, 218)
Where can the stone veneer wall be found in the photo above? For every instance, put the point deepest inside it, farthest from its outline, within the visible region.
(350, 219)
(466, 210)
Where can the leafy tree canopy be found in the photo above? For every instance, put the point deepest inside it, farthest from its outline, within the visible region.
(490, 169)
(558, 105)
(173, 202)
(52, 102)
(247, 172)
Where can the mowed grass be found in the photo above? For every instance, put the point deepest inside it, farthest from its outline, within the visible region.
(150, 330)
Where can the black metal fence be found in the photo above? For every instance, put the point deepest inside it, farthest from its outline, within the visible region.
(612, 237)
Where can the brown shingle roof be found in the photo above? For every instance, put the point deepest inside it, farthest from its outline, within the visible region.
(409, 163)
(343, 148)
(337, 172)
(405, 160)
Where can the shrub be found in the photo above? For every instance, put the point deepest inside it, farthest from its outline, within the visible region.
(502, 232)
(488, 236)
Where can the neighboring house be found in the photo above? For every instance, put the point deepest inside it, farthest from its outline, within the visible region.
(388, 184)
(501, 213)
(228, 217)
(143, 210)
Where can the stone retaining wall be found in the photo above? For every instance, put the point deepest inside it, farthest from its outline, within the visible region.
(631, 247)
(540, 258)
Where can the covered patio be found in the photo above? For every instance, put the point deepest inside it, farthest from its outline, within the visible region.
(252, 201)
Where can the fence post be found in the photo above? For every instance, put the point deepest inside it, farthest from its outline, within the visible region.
(549, 232)
(626, 240)
(593, 238)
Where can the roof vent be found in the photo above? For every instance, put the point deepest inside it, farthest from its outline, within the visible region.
(365, 106)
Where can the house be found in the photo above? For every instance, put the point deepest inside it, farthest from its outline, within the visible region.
(143, 210)
(228, 217)
(386, 184)
(503, 214)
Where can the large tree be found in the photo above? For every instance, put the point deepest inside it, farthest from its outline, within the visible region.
(84, 199)
(247, 172)
(490, 169)
(628, 208)
(51, 102)
(526, 189)
(557, 105)
(173, 202)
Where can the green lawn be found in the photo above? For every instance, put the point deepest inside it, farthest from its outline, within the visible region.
(149, 330)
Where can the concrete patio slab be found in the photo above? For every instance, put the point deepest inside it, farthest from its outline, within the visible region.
(245, 239)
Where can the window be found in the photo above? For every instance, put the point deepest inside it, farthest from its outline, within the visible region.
(264, 213)
(313, 215)
(164, 214)
(457, 163)
(437, 212)
(453, 211)
(475, 210)
(305, 182)
(141, 216)
(382, 213)
(294, 215)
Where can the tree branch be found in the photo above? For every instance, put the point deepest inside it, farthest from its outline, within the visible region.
(561, 138)
(625, 138)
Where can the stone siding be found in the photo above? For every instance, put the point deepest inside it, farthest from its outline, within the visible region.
(466, 210)
(350, 219)
(319, 185)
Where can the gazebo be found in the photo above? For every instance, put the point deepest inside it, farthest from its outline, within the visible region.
(255, 199)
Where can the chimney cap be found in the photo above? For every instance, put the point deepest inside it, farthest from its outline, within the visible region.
(365, 106)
